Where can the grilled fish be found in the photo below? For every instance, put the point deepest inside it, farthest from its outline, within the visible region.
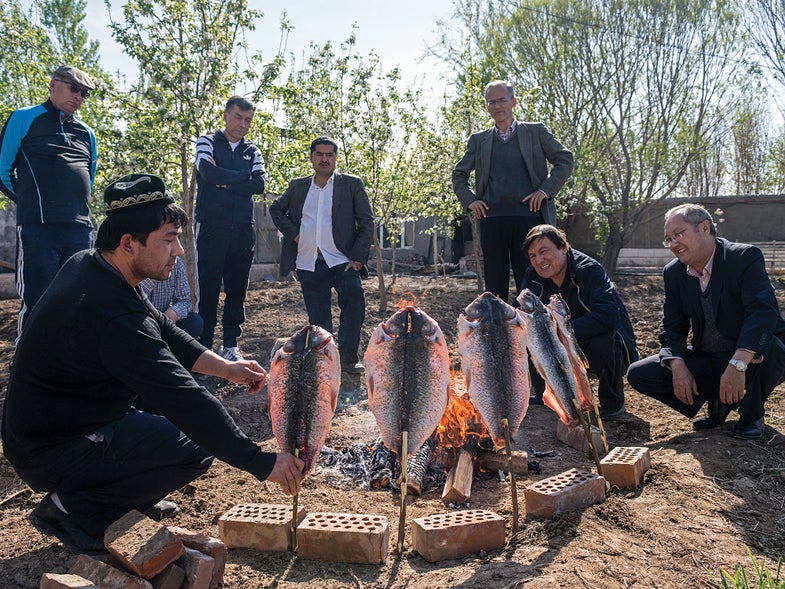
(549, 357)
(560, 313)
(305, 376)
(494, 362)
(407, 371)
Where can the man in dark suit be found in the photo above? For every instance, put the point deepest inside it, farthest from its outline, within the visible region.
(720, 291)
(514, 189)
(327, 226)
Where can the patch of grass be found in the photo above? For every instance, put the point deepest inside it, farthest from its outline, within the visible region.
(765, 578)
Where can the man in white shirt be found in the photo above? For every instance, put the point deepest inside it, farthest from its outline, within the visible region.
(327, 226)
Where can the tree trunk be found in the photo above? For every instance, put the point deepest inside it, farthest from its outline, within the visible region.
(188, 173)
(477, 256)
(377, 248)
(435, 244)
(610, 254)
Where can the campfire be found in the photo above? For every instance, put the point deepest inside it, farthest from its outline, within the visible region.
(460, 446)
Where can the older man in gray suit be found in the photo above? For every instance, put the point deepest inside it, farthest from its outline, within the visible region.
(327, 226)
(514, 189)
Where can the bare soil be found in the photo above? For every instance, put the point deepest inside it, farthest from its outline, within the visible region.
(705, 500)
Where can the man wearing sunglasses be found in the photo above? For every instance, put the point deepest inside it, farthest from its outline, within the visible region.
(47, 167)
(717, 292)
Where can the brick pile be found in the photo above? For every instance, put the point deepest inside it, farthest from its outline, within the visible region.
(145, 554)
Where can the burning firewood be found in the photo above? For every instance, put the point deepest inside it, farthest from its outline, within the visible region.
(418, 466)
(458, 487)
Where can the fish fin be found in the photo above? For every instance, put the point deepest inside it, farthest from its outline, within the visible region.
(550, 399)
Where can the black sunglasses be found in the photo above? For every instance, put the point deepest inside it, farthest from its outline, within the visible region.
(75, 88)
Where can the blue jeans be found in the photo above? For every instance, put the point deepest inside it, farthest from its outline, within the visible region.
(41, 249)
(192, 324)
(317, 291)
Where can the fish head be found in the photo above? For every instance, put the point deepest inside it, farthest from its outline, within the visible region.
(488, 305)
(559, 305)
(530, 303)
(310, 337)
(411, 320)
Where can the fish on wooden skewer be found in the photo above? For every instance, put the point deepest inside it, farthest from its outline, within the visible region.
(560, 313)
(407, 370)
(494, 362)
(550, 357)
(305, 377)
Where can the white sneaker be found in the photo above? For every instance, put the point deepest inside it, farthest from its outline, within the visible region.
(232, 354)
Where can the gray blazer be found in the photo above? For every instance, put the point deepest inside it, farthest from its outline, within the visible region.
(352, 218)
(538, 148)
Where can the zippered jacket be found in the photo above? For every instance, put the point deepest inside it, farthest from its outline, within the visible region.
(595, 304)
(47, 167)
(226, 187)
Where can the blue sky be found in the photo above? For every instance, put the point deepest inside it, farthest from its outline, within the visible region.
(398, 31)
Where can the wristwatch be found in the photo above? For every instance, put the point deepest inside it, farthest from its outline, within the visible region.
(739, 365)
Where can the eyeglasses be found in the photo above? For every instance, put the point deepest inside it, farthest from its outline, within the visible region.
(499, 101)
(676, 237)
(75, 88)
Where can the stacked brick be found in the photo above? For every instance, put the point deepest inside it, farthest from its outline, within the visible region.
(145, 554)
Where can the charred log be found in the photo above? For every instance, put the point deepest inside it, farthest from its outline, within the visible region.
(498, 461)
(382, 465)
(418, 466)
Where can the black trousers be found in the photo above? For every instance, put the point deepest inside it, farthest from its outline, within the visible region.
(648, 377)
(223, 255)
(501, 239)
(608, 359)
(141, 459)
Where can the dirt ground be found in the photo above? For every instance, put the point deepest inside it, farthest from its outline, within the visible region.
(705, 500)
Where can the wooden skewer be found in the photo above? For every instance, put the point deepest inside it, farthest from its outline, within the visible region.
(404, 486)
(603, 436)
(586, 423)
(513, 483)
(293, 525)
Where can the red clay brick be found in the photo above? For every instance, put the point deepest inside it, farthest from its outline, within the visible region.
(263, 526)
(624, 466)
(171, 578)
(208, 545)
(575, 437)
(145, 547)
(343, 537)
(57, 581)
(445, 536)
(563, 492)
(105, 575)
(198, 569)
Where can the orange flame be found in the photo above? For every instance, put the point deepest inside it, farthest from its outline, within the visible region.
(460, 420)
(406, 301)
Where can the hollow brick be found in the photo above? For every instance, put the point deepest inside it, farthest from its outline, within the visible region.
(456, 534)
(624, 466)
(343, 537)
(570, 490)
(262, 526)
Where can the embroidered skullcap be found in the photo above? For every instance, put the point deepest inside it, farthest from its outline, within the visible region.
(135, 190)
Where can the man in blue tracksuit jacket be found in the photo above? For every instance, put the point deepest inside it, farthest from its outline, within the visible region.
(47, 167)
(230, 171)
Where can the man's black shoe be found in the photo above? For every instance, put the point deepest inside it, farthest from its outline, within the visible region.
(718, 413)
(162, 509)
(53, 521)
(749, 429)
